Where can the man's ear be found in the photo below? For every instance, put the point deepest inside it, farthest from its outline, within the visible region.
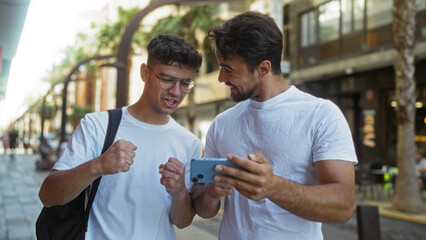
(144, 72)
(264, 67)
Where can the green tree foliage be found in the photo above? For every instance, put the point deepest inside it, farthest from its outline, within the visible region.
(109, 35)
(49, 110)
(78, 113)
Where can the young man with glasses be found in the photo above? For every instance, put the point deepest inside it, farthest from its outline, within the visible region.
(297, 149)
(133, 200)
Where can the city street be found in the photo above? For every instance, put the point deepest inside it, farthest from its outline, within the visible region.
(20, 206)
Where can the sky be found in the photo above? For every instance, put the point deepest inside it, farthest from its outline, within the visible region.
(50, 26)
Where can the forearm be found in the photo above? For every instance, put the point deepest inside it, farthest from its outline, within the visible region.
(332, 202)
(181, 211)
(206, 206)
(61, 187)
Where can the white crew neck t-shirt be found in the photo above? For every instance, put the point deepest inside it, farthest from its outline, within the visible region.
(293, 130)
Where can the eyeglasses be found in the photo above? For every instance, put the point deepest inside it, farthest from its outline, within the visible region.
(186, 85)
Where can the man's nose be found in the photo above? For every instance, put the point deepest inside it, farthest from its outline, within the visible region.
(221, 78)
(176, 89)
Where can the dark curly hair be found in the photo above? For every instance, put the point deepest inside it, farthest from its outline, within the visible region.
(253, 36)
(170, 48)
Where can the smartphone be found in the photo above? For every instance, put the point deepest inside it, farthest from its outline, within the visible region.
(202, 169)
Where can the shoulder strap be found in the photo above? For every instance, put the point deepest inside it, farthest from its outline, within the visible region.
(114, 118)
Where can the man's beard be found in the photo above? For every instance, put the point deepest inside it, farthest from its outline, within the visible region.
(244, 96)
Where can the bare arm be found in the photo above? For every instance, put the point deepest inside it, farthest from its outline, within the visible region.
(173, 179)
(331, 200)
(207, 197)
(61, 187)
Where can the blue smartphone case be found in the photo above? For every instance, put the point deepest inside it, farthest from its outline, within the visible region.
(202, 169)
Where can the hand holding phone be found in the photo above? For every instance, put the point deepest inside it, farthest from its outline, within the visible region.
(202, 169)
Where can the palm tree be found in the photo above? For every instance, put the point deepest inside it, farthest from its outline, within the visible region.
(407, 196)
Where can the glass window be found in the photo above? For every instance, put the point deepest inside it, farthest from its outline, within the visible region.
(352, 15)
(313, 28)
(329, 15)
(308, 29)
(346, 16)
(379, 13)
(359, 7)
(305, 30)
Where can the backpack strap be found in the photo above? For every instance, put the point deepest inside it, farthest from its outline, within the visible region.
(114, 118)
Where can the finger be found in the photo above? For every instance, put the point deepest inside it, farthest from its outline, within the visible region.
(252, 157)
(129, 161)
(240, 161)
(176, 162)
(174, 166)
(167, 174)
(222, 189)
(161, 168)
(129, 152)
(234, 172)
(125, 168)
(170, 166)
(222, 186)
(238, 184)
(163, 181)
(128, 144)
(258, 157)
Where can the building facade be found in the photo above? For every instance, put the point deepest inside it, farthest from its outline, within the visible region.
(343, 51)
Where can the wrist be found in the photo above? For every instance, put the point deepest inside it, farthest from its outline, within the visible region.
(95, 166)
(212, 197)
(181, 196)
(274, 185)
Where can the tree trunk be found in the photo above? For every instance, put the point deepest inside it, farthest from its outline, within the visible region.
(407, 196)
(190, 110)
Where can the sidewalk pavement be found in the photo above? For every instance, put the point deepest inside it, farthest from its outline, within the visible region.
(19, 202)
(20, 205)
(386, 209)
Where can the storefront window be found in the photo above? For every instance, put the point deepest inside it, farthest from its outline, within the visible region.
(379, 13)
(329, 15)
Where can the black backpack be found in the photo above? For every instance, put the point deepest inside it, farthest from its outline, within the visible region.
(69, 221)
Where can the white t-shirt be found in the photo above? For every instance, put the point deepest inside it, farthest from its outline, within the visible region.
(293, 130)
(131, 205)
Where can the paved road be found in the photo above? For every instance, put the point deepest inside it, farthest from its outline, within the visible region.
(20, 206)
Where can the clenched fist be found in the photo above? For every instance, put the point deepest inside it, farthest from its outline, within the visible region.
(118, 158)
(173, 178)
